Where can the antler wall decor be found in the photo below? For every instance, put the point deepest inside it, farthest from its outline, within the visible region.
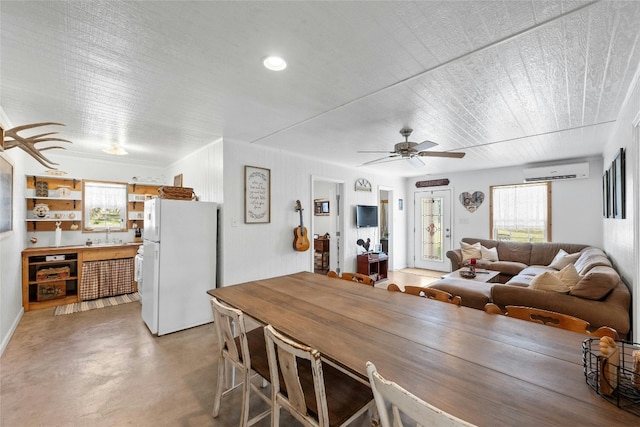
(28, 144)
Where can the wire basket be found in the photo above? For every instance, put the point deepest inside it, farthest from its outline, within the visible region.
(624, 384)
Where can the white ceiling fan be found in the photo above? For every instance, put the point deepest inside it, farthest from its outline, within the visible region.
(411, 151)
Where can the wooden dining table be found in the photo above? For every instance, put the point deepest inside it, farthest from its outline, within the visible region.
(489, 370)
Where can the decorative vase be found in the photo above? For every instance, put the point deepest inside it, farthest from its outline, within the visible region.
(41, 210)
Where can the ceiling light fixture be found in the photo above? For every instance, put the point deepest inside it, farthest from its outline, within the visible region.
(274, 63)
(115, 149)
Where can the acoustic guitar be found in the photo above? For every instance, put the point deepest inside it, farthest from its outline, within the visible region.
(300, 237)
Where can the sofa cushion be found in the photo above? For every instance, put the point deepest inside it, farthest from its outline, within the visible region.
(506, 267)
(590, 258)
(489, 254)
(521, 280)
(596, 284)
(562, 259)
(534, 270)
(470, 251)
(472, 293)
(543, 253)
(515, 251)
(549, 281)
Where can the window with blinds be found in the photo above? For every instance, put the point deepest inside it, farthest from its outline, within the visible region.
(521, 212)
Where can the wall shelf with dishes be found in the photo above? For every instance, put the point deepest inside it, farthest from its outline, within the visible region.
(52, 199)
(138, 193)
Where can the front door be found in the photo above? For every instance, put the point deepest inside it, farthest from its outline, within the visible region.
(432, 229)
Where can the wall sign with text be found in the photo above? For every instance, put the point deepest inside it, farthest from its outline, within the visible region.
(257, 195)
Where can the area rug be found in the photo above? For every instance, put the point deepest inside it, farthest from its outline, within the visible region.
(96, 303)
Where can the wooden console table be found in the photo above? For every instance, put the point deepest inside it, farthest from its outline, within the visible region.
(373, 265)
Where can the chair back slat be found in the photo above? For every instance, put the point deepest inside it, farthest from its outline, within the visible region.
(289, 369)
(387, 393)
(227, 320)
(358, 278)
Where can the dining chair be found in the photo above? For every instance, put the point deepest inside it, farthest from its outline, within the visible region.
(313, 392)
(552, 318)
(358, 278)
(332, 273)
(388, 394)
(435, 294)
(394, 288)
(247, 352)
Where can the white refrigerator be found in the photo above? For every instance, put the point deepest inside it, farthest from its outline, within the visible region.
(179, 264)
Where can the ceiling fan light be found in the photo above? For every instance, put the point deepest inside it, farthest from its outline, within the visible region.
(274, 63)
(115, 149)
(416, 162)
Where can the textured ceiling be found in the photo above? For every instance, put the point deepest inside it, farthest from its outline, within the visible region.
(507, 82)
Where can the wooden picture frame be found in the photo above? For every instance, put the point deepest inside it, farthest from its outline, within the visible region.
(1, 138)
(6, 195)
(619, 186)
(321, 207)
(605, 194)
(612, 190)
(257, 195)
(177, 181)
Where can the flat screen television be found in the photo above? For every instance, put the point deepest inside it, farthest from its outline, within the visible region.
(366, 216)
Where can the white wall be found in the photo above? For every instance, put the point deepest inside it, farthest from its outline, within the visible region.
(11, 246)
(621, 235)
(253, 251)
(576, 204)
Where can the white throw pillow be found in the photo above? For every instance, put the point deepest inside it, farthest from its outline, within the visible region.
(562, 259)
(569, 275)
(489, 254)
(549, 281)
(470, 251)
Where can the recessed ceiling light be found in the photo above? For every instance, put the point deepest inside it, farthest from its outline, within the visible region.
(275, 63)
(115, 149)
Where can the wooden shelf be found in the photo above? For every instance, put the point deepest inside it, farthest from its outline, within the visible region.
(373, 265)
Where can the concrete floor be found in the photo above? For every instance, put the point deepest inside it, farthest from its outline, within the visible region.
(103, 368)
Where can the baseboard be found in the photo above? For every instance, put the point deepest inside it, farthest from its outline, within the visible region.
(14, 326)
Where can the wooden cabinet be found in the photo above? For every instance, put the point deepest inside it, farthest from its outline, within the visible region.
(50, 277)
(62, 197)
(53, 276)
(321, 255)
(374, 265)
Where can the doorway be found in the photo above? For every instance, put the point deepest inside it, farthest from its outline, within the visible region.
(327, 226)
(432, 229)
(385, 203)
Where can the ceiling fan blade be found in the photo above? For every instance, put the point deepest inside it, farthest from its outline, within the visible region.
(425, 145)
(382, 160)
(441, 154)
(415, 162)
(382, 152)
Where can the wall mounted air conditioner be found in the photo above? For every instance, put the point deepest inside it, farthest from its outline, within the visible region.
(557, 172)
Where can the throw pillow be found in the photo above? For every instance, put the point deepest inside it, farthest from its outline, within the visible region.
(562, 259)
(548, 281)
(489, 254)
(470, 251)
(596, 284)
(569, 275)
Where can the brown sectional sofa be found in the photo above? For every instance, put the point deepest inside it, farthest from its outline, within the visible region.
(601, 297)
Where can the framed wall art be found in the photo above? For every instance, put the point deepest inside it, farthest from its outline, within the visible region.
(257, 195)
(321, 207)
(619, 186)
(6, 195)
(605, 194)
(612, 190)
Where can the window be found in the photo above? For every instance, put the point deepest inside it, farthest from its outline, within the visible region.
(521, 213)
(104, 205)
